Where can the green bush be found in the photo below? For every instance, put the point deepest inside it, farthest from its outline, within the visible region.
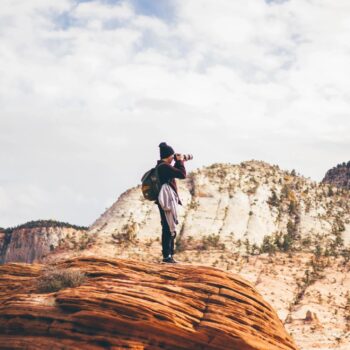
(275, 242)
(273, 200)
(268, 245)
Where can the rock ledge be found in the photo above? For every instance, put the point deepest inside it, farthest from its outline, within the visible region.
(125, 304)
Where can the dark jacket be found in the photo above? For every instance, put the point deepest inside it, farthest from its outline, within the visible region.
(168, 173)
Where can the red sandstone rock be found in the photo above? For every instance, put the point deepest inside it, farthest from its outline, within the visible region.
(132, 305)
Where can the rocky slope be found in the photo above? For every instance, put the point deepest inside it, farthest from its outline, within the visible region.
(36, 241)
(339, 176)
(133, 305)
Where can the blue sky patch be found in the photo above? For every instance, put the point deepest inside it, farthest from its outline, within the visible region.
(163, 9)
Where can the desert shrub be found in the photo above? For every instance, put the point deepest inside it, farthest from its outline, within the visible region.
(345, 253)
(338, 226)
(291, 229)
(185, 243)
(273, 200)
(194, 204)
(85, 241)
(284, 242)
(330, 191)
(181, 245)
(251, 249)
(149, 243)
(318, 251)
(127, 236)
(212, 241)
(285, 191)
(268, 245)
(306, 241)
(253, 189)
(347, 310)
(246, 244)
(336, 245)
(255, 249)
(54, 279)
(293, 207)
(277, 242)
(310, 276)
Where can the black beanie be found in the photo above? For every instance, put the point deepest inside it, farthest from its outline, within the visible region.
(165, 150)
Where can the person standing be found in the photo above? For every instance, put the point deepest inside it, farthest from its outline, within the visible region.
(167, 174)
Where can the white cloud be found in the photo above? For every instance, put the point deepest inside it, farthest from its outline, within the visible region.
(88, 90)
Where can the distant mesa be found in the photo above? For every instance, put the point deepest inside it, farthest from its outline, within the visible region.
(43, 223)
(35, 241)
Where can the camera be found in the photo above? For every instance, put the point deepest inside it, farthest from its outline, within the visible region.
(186, 156)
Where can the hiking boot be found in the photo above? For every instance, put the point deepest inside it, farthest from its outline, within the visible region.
(173, 260)
(169, 260)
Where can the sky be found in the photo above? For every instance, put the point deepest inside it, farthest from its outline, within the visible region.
(88, 90)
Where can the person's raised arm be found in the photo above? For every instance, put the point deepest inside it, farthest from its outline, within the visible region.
(180, 166)
(177, 171)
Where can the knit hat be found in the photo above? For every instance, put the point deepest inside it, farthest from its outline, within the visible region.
(165, 150)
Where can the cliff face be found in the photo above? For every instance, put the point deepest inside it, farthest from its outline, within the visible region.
(241, 202)
(4, 241)
(35, 244)
(339, 176)
(132, 305)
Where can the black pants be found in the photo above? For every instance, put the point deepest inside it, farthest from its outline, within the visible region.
(167, 240)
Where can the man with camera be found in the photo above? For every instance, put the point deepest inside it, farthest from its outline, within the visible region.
(167, 175)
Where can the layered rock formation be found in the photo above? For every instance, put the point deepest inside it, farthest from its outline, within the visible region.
(339, 176)
(35, 241)
(133, 305)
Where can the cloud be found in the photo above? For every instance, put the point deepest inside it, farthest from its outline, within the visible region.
(89, 89)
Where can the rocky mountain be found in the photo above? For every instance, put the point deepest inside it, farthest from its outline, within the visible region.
(36, 241)
(339, 176)
(251, 202)
(121, 304)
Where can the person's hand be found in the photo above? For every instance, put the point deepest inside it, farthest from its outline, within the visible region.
(179, 156)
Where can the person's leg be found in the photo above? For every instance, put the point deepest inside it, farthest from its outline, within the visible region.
(166, 235)
(172, 244)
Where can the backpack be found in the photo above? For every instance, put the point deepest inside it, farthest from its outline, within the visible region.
(151, 184)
